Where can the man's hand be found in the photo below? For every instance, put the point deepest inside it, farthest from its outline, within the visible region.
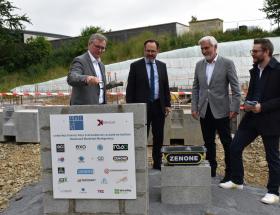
(232, 114)
(254, 109)
(195, 115)
(167, 110)
(92, 80)
(257, 108)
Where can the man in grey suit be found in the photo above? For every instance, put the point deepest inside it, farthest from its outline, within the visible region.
(211, 101)
(87, 74)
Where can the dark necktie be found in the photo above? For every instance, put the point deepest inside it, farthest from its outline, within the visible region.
(152, 83)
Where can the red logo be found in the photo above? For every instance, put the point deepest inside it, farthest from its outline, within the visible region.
(100, 122)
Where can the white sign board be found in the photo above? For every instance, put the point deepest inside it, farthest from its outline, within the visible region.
(93, 156)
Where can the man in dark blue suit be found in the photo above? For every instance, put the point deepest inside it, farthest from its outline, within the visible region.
(148, 83)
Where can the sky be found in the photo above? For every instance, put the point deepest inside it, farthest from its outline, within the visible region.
(69, 17)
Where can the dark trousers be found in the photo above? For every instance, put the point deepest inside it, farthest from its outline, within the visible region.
(156, 118)
(209, 127)
(243, 138)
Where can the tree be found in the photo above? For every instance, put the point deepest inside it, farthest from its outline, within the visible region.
(193, 19)
(10, 20)
(272, 10)
(10, 37)
(89, 30)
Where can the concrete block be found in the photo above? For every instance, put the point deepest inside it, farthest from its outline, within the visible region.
(192, 129)
(52, 205)
(27, 125)
(138, 110)
(45, 138)
(180, 126)
(2, 137)
(46, 159)
(141, 159)
(140, 135)
(97, 206)
(199, 175)
(9, 128)
(186, 195)
(47, 184)
(138, 206)
(44, 114)
(142, 184)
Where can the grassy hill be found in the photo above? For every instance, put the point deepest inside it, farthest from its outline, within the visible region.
(56, 64)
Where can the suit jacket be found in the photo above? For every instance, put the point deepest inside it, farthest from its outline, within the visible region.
(216, 94)
(267, 121)
(138, 88)
(83, 94)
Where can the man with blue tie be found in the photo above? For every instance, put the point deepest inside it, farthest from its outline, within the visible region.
(148, 83)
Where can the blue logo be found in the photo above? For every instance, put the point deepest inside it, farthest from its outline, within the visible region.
(81, 159)
(85, 171)
(99, 147)
(76, 122)
(104, 181)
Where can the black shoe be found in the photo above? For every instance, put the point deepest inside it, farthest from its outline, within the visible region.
(158, 167)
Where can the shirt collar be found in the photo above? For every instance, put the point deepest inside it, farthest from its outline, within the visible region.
(93, 59)
(214, 61)
(149, 61)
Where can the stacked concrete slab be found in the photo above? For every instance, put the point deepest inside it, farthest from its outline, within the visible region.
(26, 126)
(20, 122)
(96, 207)
(181, 128)
(186, 184)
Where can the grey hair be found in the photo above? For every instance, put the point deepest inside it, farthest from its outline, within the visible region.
(212, 40)
(97, 36)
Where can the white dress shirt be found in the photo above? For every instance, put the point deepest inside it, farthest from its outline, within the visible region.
(209, 69)
(261, 70)
(95, 63)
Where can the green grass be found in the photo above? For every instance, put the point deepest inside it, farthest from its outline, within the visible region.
(57, 64)
(12, 80)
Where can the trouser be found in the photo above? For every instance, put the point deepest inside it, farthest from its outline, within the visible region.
(209, 127)
(156, 118)
(243, 138)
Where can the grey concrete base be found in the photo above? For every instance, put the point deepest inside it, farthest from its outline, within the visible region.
(186, 195)
(27, 126)
(186, 184)
(139, 206)
(2, 137)
(181, 128)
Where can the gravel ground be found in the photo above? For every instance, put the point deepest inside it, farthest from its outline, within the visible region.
(19, 166)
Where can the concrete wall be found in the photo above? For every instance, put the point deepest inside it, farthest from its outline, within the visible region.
(139, 206)
(181, 129)
(206, 26)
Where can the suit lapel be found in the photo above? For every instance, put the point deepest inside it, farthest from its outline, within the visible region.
(145, 72)
(159, 72)
(203, 69)
(90, 65)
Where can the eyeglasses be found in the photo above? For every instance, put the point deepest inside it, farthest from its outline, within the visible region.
(102, 48)
(254, 51)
